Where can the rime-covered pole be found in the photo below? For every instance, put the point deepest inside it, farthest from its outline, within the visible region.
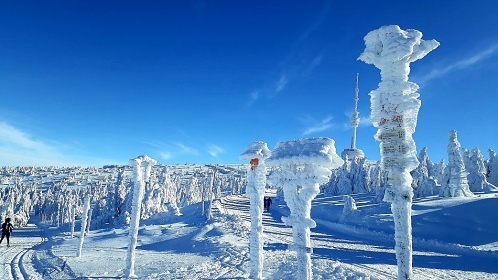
(141, 173)
(72, 212)
(395, 105)
(257, 152)
(84, 217)
(355, 119)
(300, 167)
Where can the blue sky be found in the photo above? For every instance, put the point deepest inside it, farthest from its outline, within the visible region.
(101, 82)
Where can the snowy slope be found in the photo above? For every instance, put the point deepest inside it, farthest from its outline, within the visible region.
(453, 239)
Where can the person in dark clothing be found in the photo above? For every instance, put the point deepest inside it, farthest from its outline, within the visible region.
(268, 204)
(7, 228)
(265, 204)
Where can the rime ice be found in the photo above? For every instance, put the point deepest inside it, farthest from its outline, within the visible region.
(300, 167)
(257, 152)
(395, 107)
(142, 166)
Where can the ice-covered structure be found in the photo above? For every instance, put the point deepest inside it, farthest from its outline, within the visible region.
(84, 218)
(142, 166)
(299, 167)
(455, 182)
(395, 107)
(353, 152)
(257, 152)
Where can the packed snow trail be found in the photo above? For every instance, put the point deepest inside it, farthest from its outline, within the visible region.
(17, 260)
(366, 253)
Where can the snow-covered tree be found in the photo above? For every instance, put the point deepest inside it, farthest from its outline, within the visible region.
(475, 166)
(349, 207)
(344, 184)
(492, 168)
(424, 183)
(455, 183)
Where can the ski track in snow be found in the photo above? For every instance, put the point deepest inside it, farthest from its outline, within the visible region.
(17, 260)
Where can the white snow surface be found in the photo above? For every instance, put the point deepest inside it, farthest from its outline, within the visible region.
(454, 238)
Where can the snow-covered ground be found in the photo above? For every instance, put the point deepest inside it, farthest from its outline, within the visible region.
(454, 238)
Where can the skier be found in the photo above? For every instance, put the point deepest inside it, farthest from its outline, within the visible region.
(6, 230)
(265, 203)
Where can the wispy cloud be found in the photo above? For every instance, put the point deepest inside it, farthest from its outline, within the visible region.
(214, 150)
(19, 148)
(186, 149)
(297, 63)
(165, 155)
(317, 126)
(282, 82)
(460, 64)
(254, 97)
(172, 150)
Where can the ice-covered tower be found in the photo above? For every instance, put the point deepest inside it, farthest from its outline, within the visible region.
(300, 167)
(257, 152)
(353, 152)
(395, 107)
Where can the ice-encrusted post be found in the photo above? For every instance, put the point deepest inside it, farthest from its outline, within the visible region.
(257, 152)
(142, 166)
(395, 105)
(72, 212)
(84, 217)
(300, 167)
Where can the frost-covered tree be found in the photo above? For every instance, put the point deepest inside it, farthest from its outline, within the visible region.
(395, 107)
(344, 184)
(455, 183)
(349, 207)
(492, 168)
(423, 182)
(475, 166)
(360, 178)
(170, 191)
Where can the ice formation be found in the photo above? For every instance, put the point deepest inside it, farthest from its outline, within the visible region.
(84, 217)
(72, 212)
(142, 166)
(492, 168)
(300, 166)
(424, 182)
(395, 107)
(257, 152)
(476, 167)
(349, 207)
(455, 182)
